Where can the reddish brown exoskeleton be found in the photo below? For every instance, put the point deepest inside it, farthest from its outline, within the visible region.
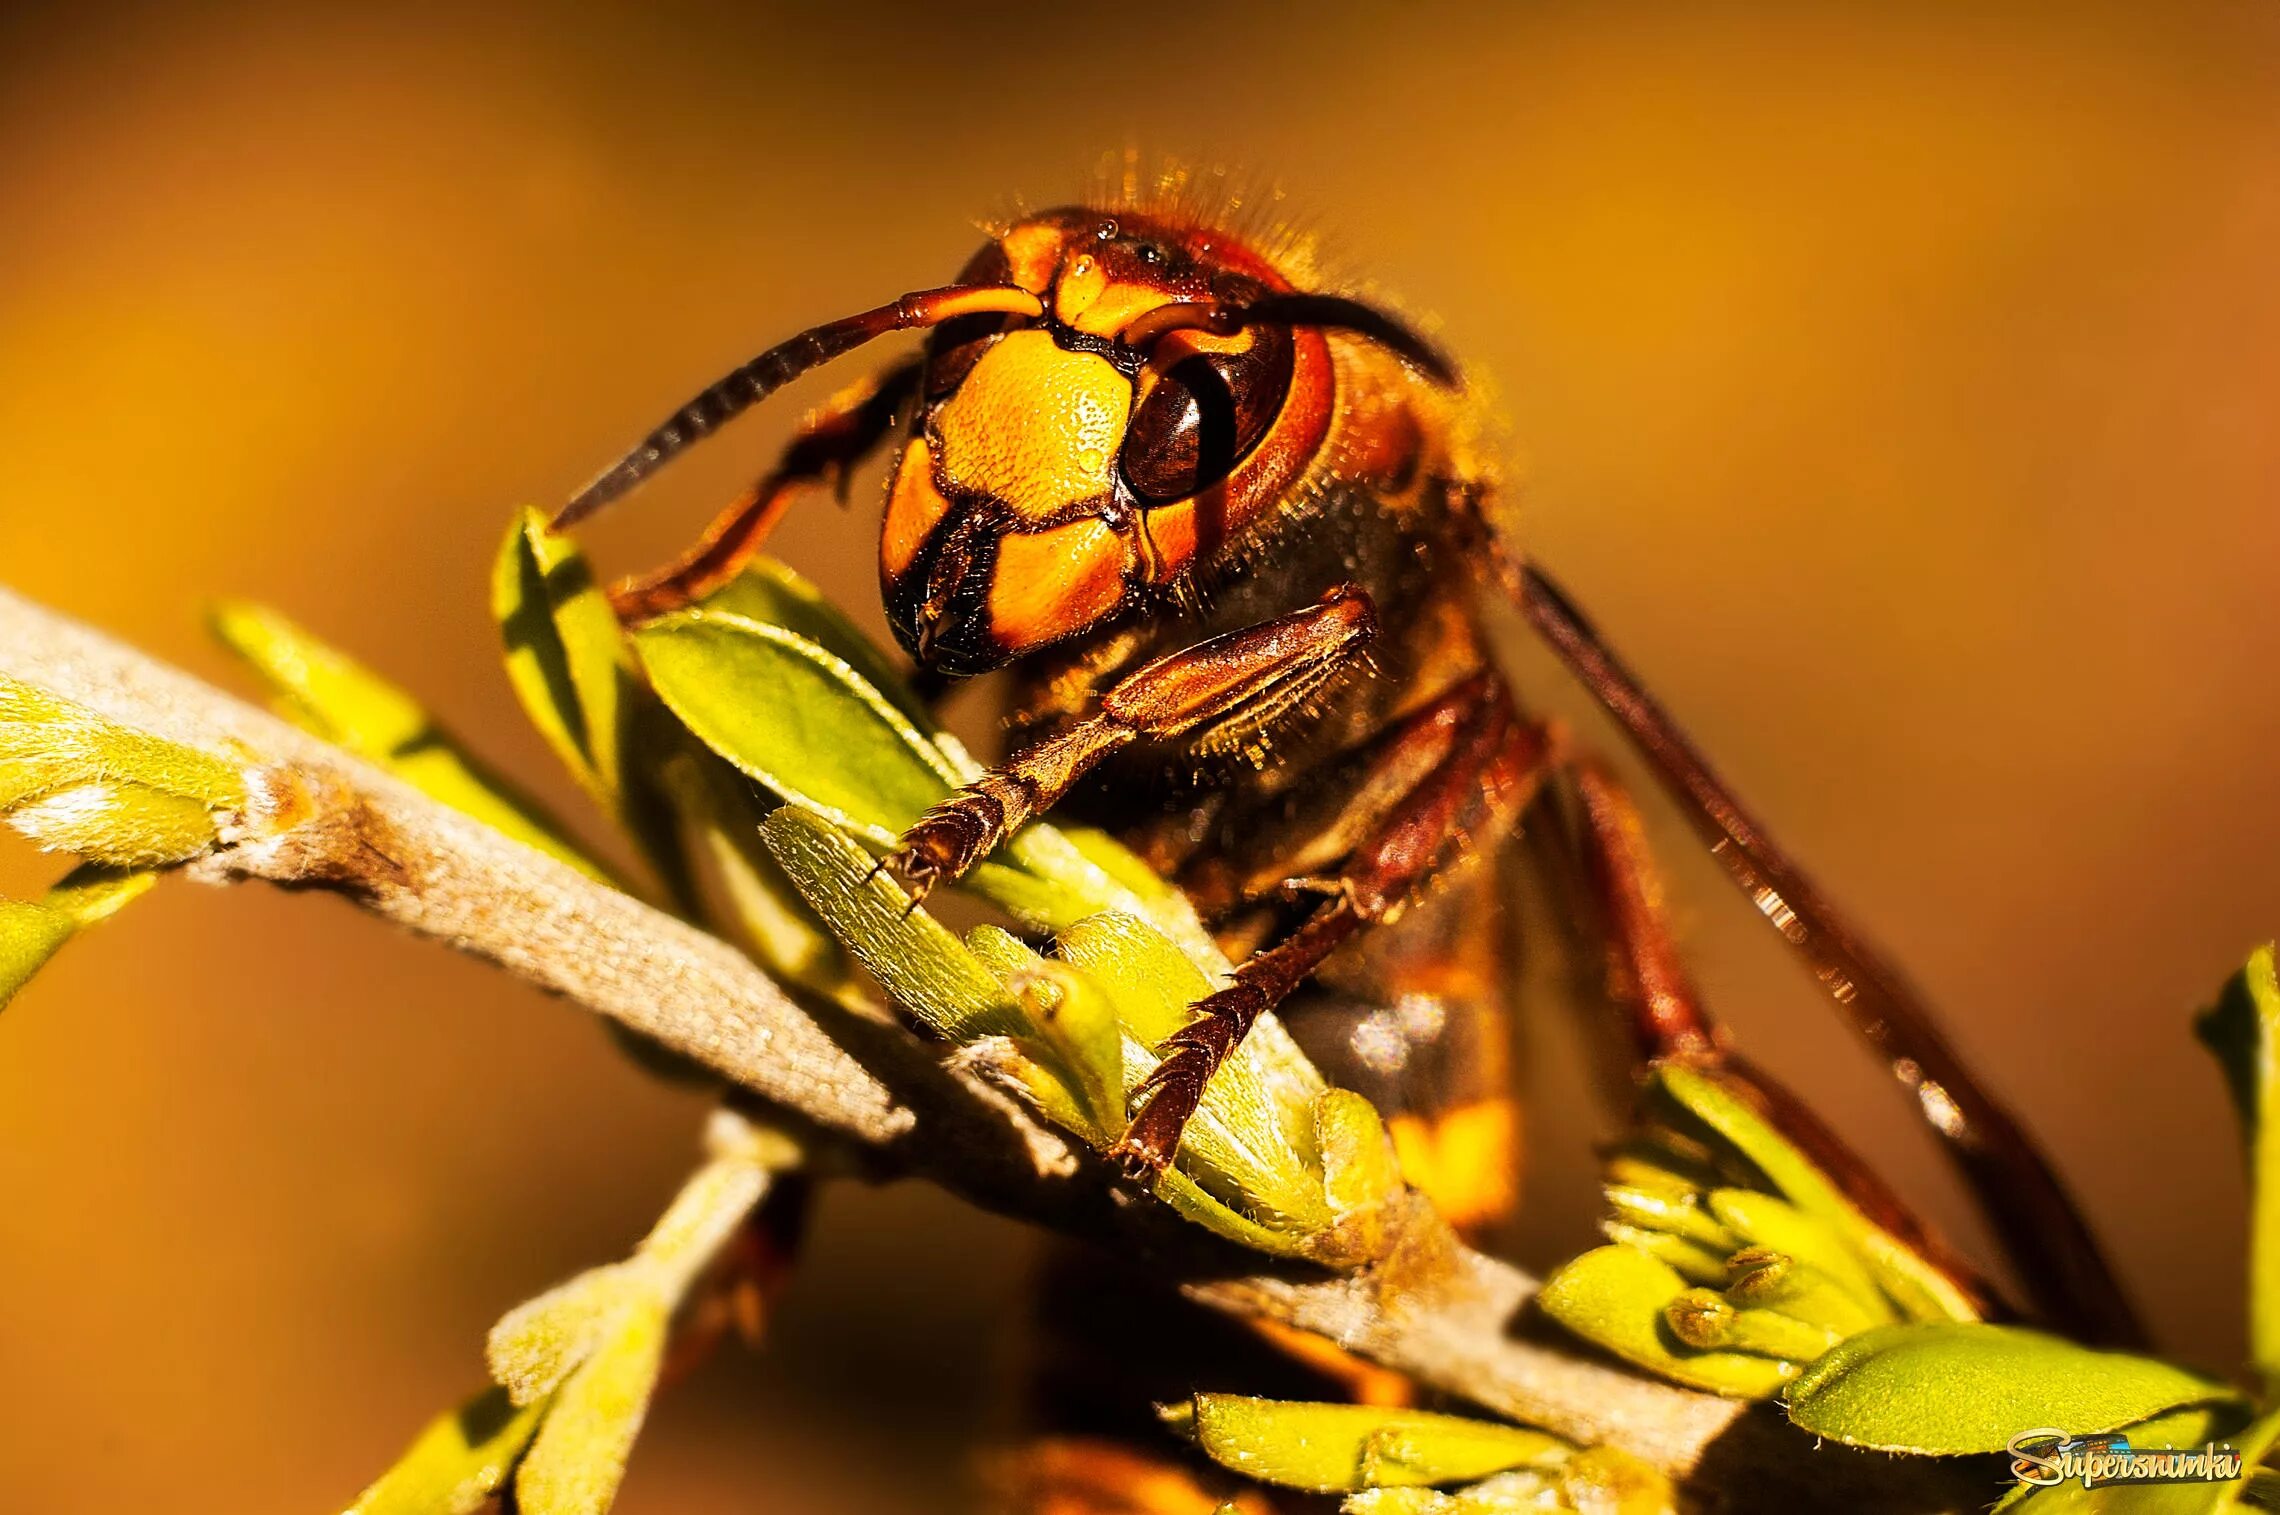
(1232, 535)
(1229, 532)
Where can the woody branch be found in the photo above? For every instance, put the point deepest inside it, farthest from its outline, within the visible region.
(1451, 1318)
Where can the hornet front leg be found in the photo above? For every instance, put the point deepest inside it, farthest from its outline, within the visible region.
(1255, 673)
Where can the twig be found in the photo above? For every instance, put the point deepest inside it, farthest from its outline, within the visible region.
(1435, 1310)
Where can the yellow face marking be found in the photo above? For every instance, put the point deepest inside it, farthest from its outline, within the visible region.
(1087, 300)
(1031, 252)
(1049, 584)
(913, 507)
(1035, 426)
(1081, 283)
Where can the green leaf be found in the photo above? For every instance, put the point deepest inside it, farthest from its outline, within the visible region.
(1360, 1171)
(67, 743)
(92, 893)
(541, 1342)
(770, 592)
(1121, 946)
(1618, 1298)
(1334, 1448)
(1657, 1156)
(75, 782)
(710, 1206)
(1705, 1319)
(1769, 1280)
(578, 1458)
(1244, 1144)
(1361, 1177)
(458, 1462)
(806, 722)
(1247, 1182)
(591, 1348)
(2243, 1030)
(1072, 1028)
(573, 672)
(1952, 1387)
(2122, 1499)
(803, 721)
(723, 813)
(1089, 864)
(2196, 1425)
(581, 1360)
(324, 691)
(798, 719)
(32, 933)
(924, 969)
(565, 652)
(789, 695)
(126, 824)
(1921, 1291)
(1198, 1205)
(1690, 1259)
(1146, 895)
(1674, 1212)
(1765, 1220)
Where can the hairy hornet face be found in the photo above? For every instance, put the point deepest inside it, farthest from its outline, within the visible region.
(1060, 467)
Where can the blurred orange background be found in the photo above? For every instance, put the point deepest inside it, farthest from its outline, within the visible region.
(1894, 382)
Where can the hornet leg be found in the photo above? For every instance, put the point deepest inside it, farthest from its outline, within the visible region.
(1258, 671)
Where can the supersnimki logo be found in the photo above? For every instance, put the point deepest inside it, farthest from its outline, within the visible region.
(2048, 1456)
